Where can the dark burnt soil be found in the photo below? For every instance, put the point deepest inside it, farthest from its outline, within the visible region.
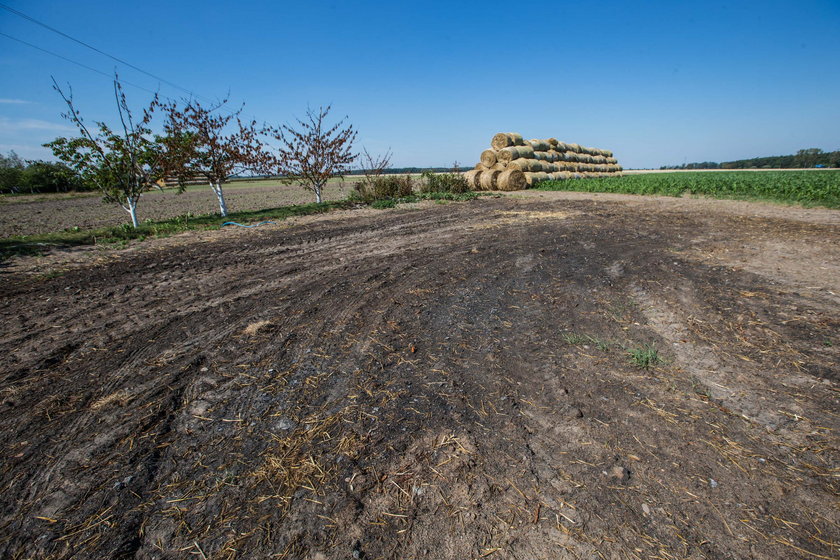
(445, 382)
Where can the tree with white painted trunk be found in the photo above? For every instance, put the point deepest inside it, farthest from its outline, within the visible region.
(123, 163)
(314, 152)
(212, 143)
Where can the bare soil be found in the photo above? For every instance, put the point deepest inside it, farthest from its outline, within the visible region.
(446, 381)
(37, 214)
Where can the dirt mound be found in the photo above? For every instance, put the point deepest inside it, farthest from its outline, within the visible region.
(454, 381)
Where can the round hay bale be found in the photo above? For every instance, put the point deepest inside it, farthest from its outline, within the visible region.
(511, 180)
(540, 156)
(611, 159)
(511, 153)
(478, 166)
(552, 142)
(562, 147)
(539, 145)
(470, 176)
(574, 148)
(563, 176)
(525, 165)
(499, 166)
(488, 158)
(533, 179)
(501, 140)
(599, 159)
(505, 139)
(488, 178)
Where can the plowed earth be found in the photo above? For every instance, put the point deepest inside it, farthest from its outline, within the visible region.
(447, 381)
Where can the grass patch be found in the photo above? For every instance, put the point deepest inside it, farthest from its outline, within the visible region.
(645, 357)
(577, 339)
(807, 188)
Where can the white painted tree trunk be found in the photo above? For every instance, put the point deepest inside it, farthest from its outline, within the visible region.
(318, 194)
(131, 208)
(217, 188)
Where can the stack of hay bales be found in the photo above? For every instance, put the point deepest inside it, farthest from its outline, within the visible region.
(513, 163)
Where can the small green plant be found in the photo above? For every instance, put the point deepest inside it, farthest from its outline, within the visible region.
(645, 357)
(576, 339)
(573, 338)
(383, 204)
(453, 182)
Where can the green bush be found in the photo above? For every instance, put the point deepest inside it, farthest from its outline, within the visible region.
(383, 187)
(444, 183)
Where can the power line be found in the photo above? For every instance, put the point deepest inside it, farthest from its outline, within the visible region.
(92, 69)
(91, 47)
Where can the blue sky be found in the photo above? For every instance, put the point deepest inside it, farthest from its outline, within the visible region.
(657, 82)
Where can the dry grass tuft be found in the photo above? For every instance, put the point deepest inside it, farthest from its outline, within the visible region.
(255, 328)
(121, 397)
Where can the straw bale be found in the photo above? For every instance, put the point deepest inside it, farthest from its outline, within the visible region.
(505, 139)
(488, 158)
(471, 177)
(511, 180)
(533, 178)
(487, 179)
(552, 142)
(514, 152)
(539, 145)
(500, 166)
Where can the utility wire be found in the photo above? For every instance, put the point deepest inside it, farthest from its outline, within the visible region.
(91, 47)
(92, 69)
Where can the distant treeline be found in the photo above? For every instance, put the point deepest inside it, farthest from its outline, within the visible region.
(356, 172)
(407, 170)
(803, 159)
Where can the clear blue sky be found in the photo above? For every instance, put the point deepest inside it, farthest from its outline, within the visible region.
(657, 82)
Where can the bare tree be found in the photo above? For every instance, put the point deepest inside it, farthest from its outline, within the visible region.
(202, 141)
(373, 166)
(314, 153)
(122, 165)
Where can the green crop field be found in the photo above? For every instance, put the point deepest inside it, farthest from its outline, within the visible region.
(808, 188)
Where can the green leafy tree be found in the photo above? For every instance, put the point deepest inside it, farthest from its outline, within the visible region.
(123, 163)
(48, 176)
(11, 171)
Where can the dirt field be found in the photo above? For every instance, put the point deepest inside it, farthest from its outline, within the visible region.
(440, 381)
(34, 214)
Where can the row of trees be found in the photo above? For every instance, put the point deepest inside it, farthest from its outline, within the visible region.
(127, 160)
(19, 176)
(803, 159)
